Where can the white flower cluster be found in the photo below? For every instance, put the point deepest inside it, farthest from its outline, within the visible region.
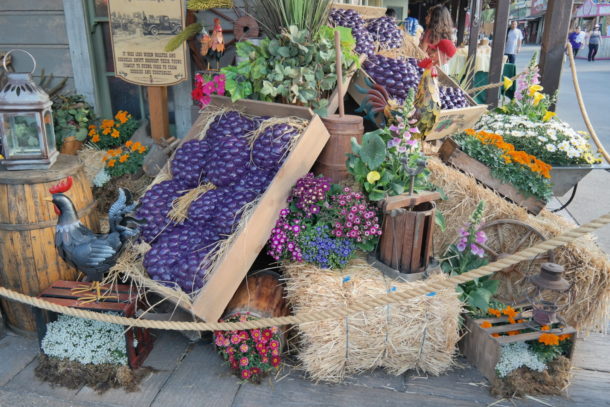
(515, 355)
(101, 178)
(85, 341)
(552, 135)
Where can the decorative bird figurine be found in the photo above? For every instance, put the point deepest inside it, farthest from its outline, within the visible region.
(218, 43)
(91, 253)
(206, 44)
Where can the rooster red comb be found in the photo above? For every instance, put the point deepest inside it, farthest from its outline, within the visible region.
(62, 186)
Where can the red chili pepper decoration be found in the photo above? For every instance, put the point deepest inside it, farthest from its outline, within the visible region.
(62, 186)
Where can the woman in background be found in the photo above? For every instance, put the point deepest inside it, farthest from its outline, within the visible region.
(439, 26)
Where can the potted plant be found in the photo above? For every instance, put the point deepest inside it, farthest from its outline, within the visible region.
(71, 120)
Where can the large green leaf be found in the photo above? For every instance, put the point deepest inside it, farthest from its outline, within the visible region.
(373, 150)
(355, 146)
(491, 285)
(479, 298)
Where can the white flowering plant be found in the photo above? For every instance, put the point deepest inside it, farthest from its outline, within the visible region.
(553, 141)
(85, 341)
(515, 355)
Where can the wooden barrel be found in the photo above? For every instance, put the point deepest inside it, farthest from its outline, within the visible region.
(331, 162)
(29, 262)
(261, 295)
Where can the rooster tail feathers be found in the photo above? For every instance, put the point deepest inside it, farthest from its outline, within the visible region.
(118, 215)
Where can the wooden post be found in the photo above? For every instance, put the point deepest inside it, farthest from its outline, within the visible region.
(159, 116)
(461, 22)
(473, 39)
(455, 11)
(497, 49)
(554, 37)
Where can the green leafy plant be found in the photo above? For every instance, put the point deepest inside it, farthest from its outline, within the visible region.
(308, 16)
(466, 255)
(290, 68)
(525, 172)
(113, 132)
(71, 118)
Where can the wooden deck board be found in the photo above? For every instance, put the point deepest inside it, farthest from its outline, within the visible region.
(593, 353)
(15, 354)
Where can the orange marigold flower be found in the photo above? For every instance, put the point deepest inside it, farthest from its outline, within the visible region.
(107, 123)
(141, 150)
(513, 333)
(511, 320)
(123, 158)
(486, 324)
(95, 138)
(129, 143)
(111, 163)
(106, 158)
(92, 127)
(510, 312)
(135, 146)
(470, 132)
(106, 130)
(549, 339)
(495, 335)
(122, 116)
(545, 328)
(520, 321)
(563, 337)
(495, 312)
(115, 133)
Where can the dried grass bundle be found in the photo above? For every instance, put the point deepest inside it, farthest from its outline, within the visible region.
(91, 158)
(421, 333)
(586, 266)
(408, 49)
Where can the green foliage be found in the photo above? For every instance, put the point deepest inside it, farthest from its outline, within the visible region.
(290, 68)
(178, 39)
(308, 16)
(528, 182)
(467, 255)
(71, 118)
(548, 353)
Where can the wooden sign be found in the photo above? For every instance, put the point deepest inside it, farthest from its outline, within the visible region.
(139, 31)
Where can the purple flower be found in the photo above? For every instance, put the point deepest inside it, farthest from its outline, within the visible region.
(481, 237)
(463, 232)
(476, 250)
(461, 246)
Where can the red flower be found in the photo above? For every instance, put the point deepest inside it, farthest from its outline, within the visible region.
(234, 364)
(245, 374)
(255, 370)
(243, 335)
(260, 347)
(275, 361)
(197, 94)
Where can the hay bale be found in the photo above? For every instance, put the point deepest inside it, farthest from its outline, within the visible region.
(586, 265)
(421, 333)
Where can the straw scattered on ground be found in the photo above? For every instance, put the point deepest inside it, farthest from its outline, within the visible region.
(586, 265)
(419, 334)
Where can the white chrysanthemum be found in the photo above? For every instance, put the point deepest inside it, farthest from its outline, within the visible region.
(101, 178)
(515, 355)
(551, 132)
(85, 341)
(551, 148)
(543, 139)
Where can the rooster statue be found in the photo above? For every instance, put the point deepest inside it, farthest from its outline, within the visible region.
(91, 253)
(213, 46)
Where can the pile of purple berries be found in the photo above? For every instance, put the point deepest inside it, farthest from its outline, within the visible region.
(386, 31)
(365, 44)
(398, 76)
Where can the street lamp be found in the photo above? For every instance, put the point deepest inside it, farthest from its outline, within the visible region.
(26, 122)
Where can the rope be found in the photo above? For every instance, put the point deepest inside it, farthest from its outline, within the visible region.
(488, 86)
(581, 104)
(394, 297)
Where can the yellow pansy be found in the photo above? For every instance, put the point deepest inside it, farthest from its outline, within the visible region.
(537, 98)
(1, 157)
(535, 88)
(548, 116)
(373, 177)
(507, 83)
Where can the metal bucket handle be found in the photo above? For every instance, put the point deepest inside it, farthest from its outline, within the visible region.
(22, 50)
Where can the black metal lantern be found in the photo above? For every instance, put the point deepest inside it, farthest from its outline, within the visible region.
(549, 286)
(26, 122)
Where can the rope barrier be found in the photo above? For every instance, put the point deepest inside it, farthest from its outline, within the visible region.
(393, 297)
(581, 105)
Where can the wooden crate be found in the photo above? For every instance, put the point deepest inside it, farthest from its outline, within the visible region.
(451, 154)
(364, 11)
(448, 122)
(60, 292)
(483, 350)
(225, 277)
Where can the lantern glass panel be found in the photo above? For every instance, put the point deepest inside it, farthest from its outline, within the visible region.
(48, 124)
(21, 133)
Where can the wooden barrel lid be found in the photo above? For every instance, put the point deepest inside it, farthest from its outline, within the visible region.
(348, 119)
(64, 166)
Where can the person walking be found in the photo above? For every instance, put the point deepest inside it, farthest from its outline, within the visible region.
(576, 40)
(595, 38)
(514, 37)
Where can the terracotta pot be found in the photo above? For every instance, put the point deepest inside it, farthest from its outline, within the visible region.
(71, 145)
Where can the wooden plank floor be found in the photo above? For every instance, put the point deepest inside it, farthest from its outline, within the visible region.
(192, 374)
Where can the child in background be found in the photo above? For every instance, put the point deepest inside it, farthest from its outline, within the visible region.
(439, 26)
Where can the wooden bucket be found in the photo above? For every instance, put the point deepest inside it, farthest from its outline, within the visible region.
(261, 295)
(71, 146)
(331, 162)
(29, 262)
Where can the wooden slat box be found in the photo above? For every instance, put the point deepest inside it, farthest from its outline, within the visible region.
(483, 350)
(60, 292)
(451, 154)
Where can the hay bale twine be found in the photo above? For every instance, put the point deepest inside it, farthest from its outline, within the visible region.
(586, 265)
(421, 333)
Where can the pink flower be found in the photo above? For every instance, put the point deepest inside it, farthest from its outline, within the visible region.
(245, 374)
(220, 340)
(244, 361)
(255, 370)
(205, 100)
(476, 250)
(275, 361)
(208, 88)
(243, 348)
(274, 344)
(275, 352)
(235, 339)
(481, 237)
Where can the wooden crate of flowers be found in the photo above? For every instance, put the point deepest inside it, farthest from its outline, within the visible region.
(515, 175)
(507, 344)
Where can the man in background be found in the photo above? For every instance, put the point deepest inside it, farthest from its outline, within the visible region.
(513, 42)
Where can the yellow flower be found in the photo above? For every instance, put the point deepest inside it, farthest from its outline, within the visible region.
(535, 88)
(1, 157)
(372, 177)
(537, 98)
(548, 116)
(507, 83)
